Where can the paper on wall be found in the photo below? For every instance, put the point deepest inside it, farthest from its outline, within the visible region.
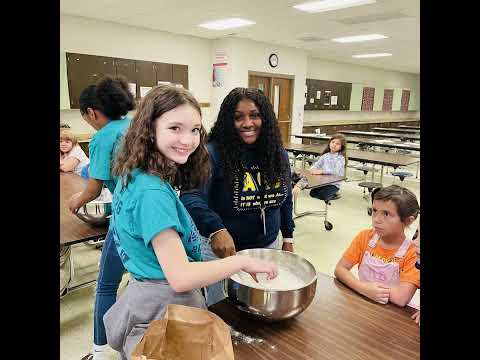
(133, 89)
(144, 90)
(333, 100)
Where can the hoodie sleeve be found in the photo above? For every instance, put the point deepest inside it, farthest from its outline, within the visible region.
(287, 225)
(196, 201)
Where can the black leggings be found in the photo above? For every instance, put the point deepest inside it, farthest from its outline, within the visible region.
(325, 193)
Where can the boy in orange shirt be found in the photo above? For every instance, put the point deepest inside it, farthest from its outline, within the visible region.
(385, 257)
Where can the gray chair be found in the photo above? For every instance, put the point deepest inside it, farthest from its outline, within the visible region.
(322, 213)
(401, 174)
(368, 185)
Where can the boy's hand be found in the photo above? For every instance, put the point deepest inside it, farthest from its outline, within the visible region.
(287, 246)
(416, 317)
(316, 172)
(377, 292)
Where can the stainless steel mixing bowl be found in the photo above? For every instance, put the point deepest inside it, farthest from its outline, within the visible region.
(273, 305)
(98, 211)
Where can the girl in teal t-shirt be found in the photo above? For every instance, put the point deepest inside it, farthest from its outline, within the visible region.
(164, 149)
(104, 106)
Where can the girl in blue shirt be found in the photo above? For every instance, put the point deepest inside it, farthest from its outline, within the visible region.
(164, 151)
(332, 161)
(104, 106)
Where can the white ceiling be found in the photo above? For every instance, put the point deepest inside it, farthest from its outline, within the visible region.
(278, 23)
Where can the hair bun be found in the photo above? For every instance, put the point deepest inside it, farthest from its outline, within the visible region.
(115, 96)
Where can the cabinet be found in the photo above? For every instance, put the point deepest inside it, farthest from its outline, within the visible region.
(84, 70)
(163, 72)
(180, 75)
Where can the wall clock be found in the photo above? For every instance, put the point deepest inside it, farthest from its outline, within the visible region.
(273, 60)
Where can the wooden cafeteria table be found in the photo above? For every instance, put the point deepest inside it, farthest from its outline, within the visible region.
(382, 135)
(396, 130)
(409, 127)
(385, 143)
(72, 229)
(315, 181)
(372, 157)
(339, 324)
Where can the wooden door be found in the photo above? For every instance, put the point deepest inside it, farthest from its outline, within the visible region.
(282, 105)
(260, 82)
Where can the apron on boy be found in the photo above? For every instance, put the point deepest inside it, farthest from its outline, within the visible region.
(372, 269)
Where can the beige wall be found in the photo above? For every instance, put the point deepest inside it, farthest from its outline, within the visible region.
(88, 36)
(243, 56)
(361, 76)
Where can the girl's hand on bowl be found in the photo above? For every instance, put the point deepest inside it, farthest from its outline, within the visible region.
(74, 204)
(254, 266)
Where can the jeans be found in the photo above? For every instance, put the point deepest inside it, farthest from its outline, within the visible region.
(215, 292)
(326, 192)
(84, 172)
(109, 278)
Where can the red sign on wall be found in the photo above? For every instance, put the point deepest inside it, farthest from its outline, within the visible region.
(367, 98)
(387, 100)
(405, 100)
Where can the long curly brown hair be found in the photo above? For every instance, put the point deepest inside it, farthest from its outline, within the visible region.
(269, 144)
(139, 149)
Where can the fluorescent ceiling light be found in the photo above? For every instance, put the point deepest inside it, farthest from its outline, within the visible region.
(226, 24)
(349, 39)
(329, 5)
(371, 55)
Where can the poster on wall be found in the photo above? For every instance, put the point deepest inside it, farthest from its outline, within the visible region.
(326, 100)
(219, 75)
(333, 100)
(219, 68)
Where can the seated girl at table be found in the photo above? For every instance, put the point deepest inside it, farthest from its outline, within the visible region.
(72, 157)
(331, 162)
(385, 256)
(164, 151)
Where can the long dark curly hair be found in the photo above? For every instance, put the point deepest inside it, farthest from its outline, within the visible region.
(269, 147)
(139, 149)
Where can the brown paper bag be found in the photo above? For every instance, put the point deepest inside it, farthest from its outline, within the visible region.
(185, 333)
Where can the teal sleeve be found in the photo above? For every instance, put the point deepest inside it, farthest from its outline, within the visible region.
(156, 212)
(100, 160)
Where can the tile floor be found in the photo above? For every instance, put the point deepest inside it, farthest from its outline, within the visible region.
(323, 248)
